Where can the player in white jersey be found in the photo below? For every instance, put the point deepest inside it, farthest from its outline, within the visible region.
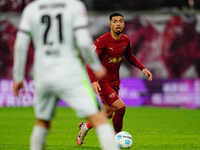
(55, 26)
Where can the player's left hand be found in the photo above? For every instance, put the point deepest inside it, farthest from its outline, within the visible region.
(16, 87)
(147, 73)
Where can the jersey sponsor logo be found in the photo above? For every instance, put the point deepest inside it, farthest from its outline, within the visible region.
(115, 60)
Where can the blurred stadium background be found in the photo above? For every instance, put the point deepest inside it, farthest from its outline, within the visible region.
(162, 114)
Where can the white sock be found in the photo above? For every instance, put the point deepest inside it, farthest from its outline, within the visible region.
(106, 137)
(38, 138)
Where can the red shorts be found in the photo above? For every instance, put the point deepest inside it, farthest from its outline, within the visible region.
(109, 92)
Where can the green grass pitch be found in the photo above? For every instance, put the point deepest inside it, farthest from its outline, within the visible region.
(151, 128)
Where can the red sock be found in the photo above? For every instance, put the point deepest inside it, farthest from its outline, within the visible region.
(118, 119)
(88, 125)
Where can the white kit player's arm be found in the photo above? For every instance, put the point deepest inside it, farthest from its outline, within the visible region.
(83, 38)
(85, 45)
(20, 55)
(21, 46)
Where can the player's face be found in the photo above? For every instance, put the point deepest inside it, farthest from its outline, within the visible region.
(117, 24)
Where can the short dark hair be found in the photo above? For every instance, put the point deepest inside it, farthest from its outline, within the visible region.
(114, 15)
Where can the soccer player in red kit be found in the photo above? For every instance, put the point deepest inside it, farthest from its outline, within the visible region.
(111, 48)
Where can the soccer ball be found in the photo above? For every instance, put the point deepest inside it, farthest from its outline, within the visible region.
(124, 139)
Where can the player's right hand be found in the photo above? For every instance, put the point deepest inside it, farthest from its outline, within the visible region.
(96, 86)
(100, 73)
(16, 87)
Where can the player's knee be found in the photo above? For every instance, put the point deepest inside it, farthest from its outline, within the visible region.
(118, 104)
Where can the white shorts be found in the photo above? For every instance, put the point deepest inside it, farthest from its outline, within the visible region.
(79, 96)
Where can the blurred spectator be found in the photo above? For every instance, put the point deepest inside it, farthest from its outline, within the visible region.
(181, 45)
(13, 5)
(7, 38)
(2, 4)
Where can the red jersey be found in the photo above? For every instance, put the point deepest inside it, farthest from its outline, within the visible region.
(111, 53)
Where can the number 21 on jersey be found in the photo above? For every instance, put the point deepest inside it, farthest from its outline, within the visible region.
(47, 19)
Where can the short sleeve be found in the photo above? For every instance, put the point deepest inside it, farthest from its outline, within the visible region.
(25, 23)
(80, 16)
